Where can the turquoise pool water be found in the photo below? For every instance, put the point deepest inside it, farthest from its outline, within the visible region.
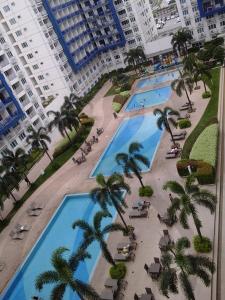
(149, 98)
(141, 129)
(58, 233)
(157, 79)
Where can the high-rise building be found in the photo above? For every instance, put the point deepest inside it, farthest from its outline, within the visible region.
(206, 19)
(49, 48)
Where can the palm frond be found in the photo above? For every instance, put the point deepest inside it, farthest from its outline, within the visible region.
(183, 218)
(98, 219)
(186, 286)
(113, 227)
(182, 243)
(143, 159)
(134, 147)
(46, 278)
(206, 199)
(83, 225)
(58, 292)
(174, 187)
(85, 290)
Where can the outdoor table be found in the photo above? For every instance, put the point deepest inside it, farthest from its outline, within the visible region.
(121, 257)
(122, 245)
(164, 241)
(138, 204)
(111, 283)
(107, 294)
(146, 297)
(154, 268)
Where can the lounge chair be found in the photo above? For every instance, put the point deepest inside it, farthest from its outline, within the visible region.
(178, 133)
(178, 138)
(138, 213)
(172, 155)
(122, 257)
(16, 236)
(33, 213)
(184, 108)
(35, 206)
(180, 117)
(2, 266)
(20, 228)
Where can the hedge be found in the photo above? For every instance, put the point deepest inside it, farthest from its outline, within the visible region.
(120, 100)
(203, 245)
(145, 191)
(206, 94)
(116, 106)
(205, 147)
(184, 123)
(118, 271)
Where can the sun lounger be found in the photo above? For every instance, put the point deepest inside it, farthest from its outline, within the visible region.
(33, 213)
(171, 155)
(16, 236)
(177, 133)
(2, 266)
(184, 108)
(138, 213)
(178, 138)
(181, 116)
(20, 228)
(124, 257)
(35, 206)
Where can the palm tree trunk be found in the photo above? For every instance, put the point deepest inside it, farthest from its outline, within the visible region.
(171, 134)
(186, 92)
(14, 198)
(67, 135)
(204, 85)
(140, 179)
(107, 254)
(197, 227)
(46, 152)
(27, 179)
(119, 213)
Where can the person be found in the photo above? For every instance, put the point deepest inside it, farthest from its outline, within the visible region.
(171, 198)
(115, 115)
(73, 159)
(27, 181)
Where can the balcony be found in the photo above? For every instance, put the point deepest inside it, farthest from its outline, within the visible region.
(209, 7)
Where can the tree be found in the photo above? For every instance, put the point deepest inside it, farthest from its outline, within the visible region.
(16, 161)
(130, 161)
(180, 40)
(71, 119)
(165, 118)
(190, 63)
(120, 79)
(8, 182)
(219, 54)
(202, 73)
(60, 122)
(186, 265)
(62, 276)
(38, 139)
(71, 102)
(95, 232)
(135, 57)
(187, 198)
(109, 192)
(183, 83)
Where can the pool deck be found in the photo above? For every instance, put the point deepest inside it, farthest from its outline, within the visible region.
(75, 179)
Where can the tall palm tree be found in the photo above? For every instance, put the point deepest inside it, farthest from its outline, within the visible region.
(202, 72)
(59, 121)
(165, 118)
(185, 202)
(190, 63)
(8, 182)
(71, 101)
(109, 192)
(180, 40)
(183, 83)
(62, 276)
(71, 118)
(38, 139)
(135, 57)
(186, 265)
(16, 161)
(95, 232)
(130, 161)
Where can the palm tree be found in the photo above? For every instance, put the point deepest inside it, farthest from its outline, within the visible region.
(180, 40)
(109, 192)
(187, 265)
(183, 83)
(62, 276)
(202, 72)
(130, 161)
(71, 101)
(165, 118)
(95, 232)
(8, 182)
(71, 118)
(135, 57)
(186, 200)
(190, 63)
(38, 139)
(16, 161)
(120, 79)
(59, 121)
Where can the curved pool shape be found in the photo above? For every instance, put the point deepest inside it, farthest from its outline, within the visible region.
(149, 98)
(141, 129)
(157, 79)
(58, 233)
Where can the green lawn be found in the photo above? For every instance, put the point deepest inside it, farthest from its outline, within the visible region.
(49, 171)
(209, 116)
(112, 91)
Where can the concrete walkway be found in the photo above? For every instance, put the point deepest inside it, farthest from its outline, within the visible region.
(75, 179)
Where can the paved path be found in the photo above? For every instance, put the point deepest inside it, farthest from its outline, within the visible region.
(75, 179)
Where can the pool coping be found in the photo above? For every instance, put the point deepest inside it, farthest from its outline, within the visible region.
(28, 256)
(110, 141)
(145, 91)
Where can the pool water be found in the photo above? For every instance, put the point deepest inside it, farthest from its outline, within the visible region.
(58, 233)
(149, 98)
(141, 129)
(157, 79)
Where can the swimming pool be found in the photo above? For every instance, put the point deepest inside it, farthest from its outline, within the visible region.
(149, 98)
(157, 79)
(58, 233)
(141, 129)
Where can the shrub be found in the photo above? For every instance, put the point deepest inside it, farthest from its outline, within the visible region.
(87, 121)
(120, 99)
(205, 173)
(145, 191)
(182, 167)
(184, 123)
(116, 106)
(118, 271)
(125, 93)
(202, 246)
(206, 94)
(205, 147)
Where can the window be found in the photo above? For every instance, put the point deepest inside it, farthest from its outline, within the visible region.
(23, 80)
(131, 42)
(212, 26)
(2, 40)
(30, 93)
(200, 30)
(17, 68)
(182, 1)
(12, 21)
(36, 105)
(128, 32)
(46, 87)
(9, 54)
(18, 33)
(42, 116)
(6, 8)
(35, 67)
(222, 23)
(40, 77)
(30, 55)
(24, 45)
(22, 136)
(188, 23)
(185, 12)
(197, 20)
(13, 144)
